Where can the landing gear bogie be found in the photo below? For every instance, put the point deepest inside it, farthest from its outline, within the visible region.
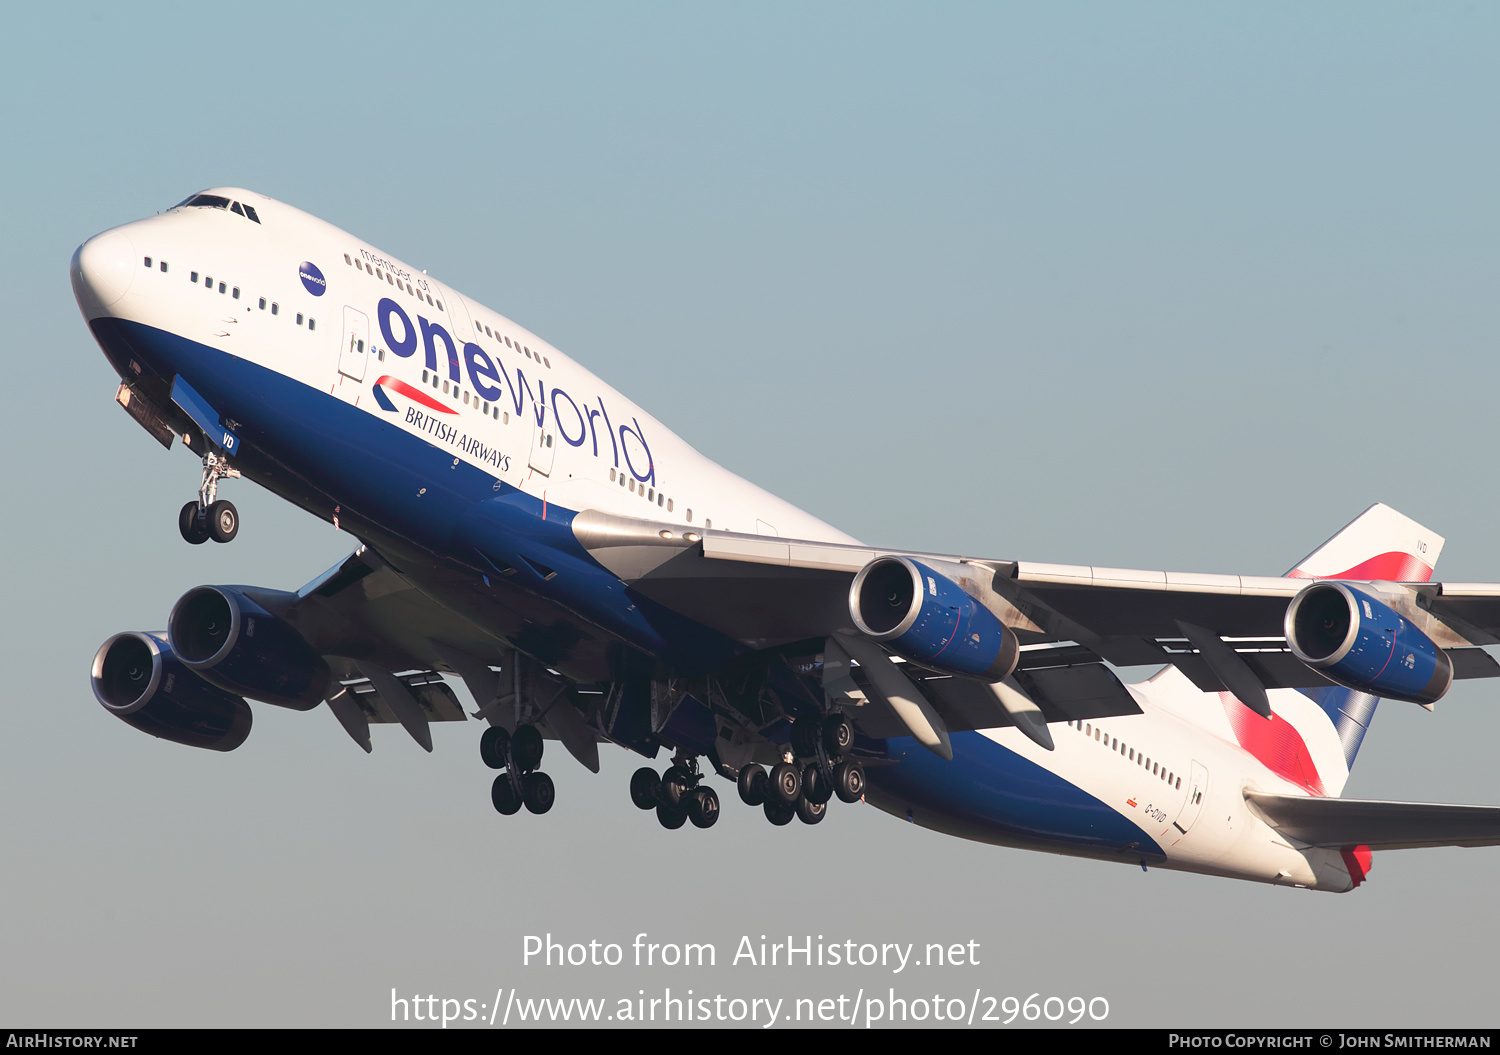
(519, 783)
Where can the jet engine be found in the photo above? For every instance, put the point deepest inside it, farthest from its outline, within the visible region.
(924, 616)
(1351, 638)
(234, 642)
(139, 680)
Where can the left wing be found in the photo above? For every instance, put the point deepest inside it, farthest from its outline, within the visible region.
(1225, 632)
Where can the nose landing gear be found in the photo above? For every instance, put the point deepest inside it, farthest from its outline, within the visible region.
(209, 517)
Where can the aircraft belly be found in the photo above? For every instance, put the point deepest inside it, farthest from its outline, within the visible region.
(992, 794)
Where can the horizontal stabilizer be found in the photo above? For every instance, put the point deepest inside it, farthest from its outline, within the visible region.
(1378, 825)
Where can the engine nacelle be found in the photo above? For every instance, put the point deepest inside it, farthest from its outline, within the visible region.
(138, 680)
(926, 617)
(233, 642)
(1353, 639)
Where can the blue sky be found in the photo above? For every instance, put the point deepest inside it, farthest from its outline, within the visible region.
(1146, 285)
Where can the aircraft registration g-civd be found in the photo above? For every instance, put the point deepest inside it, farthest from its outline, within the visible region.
(590, 577)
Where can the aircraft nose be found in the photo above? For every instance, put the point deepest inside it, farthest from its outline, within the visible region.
(102, 270)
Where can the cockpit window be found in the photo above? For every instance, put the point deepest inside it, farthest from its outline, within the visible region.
(214, 201)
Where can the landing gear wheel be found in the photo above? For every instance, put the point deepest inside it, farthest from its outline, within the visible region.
(811, 812)
(849, 781)
(838, 735)
(223, 521)
(192, 528)
(805, 737)
(778, 813)
(670, 817)
(492, 746)
(537, 792)
(504, 796)
(702, 807)
(645, 788)
(675, 784)
(814, 788)
(786, 783)
(526, 748)
(753, 784)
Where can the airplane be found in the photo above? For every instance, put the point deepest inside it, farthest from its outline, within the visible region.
(591, 578)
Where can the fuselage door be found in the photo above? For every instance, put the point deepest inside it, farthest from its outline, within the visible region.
(355, 348)
(1193, 804)
(543, 445)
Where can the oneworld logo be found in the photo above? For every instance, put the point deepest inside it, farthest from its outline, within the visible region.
(312, 278)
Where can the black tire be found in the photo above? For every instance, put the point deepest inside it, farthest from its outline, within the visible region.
(849, 781)
(811, 812)
(645, 788)
(779, 813)
(492, 746)
(838, 735)
(753, 784)
(504, 797)
(190, 526)
(676, 782)
(223, 521)
(814, 787)
(805, 737)
(671, 819)
(526, 748)
(702, 807)
(786, 784)
(538, 792)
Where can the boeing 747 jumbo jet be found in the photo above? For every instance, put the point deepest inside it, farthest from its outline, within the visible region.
(592, 578)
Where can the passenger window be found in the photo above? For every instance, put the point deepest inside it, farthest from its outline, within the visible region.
(262, 303)
(312, 324)
(275, 308)
(193, 277)
(236, 292)
(299, 318)
(222, 286)
(163, 267)
(148, 263)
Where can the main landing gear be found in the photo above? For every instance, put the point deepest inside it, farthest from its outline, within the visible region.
(677, 795)
(518, 755)
(209, 517)
(804, 791)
